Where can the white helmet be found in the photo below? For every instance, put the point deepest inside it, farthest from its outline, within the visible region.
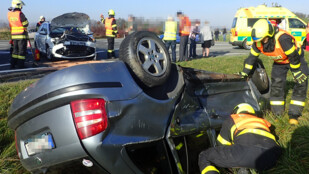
(41, 17)
(17, 4)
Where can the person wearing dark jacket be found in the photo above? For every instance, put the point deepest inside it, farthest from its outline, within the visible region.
(287, 55)
(244, 141)
(18, 24)
(111, 32)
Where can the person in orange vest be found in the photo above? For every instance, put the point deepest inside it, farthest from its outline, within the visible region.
(42, 20)
(111, 32)
(288, 55)
(184, 32)
(244, 142)
(18, 24)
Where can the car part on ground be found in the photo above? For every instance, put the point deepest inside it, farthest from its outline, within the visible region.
(66, 37)
(98, 118)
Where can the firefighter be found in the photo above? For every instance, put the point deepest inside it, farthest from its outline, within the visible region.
(288, 55)
(244, 141)
(18, 24)
(42, 20)
(111, 32)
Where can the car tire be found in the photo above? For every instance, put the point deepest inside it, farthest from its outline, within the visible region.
(260, 78)
(147, 58)
(245, 46)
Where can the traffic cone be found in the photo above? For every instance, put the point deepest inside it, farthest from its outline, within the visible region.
(36, 55)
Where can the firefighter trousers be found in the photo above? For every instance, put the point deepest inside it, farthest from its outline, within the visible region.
(19, 53)
(110, 47)
(237, 155)
(278, 88)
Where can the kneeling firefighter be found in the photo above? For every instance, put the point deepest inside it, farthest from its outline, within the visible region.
(244, 141)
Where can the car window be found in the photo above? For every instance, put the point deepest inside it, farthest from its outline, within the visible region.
(296, 23)
(251, 21)
(234, 23)
(60, 30)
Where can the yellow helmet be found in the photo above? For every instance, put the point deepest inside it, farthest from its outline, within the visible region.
(17, 3)
(243, 108)
(111, 12)
(261, 29)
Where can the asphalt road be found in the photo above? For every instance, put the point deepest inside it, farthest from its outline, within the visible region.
(220, 49)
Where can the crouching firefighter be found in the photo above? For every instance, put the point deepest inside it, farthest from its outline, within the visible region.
(288, 55)
(244, 141)
(18, 24)
(111, 32)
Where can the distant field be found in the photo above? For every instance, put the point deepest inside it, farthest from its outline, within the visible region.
(5, 34)
(293, 139)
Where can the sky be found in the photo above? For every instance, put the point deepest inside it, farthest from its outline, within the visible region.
(218, 12)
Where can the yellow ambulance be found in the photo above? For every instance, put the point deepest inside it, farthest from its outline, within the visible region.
(246, 17)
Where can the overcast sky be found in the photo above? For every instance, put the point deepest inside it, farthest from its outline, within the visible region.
(217, 12)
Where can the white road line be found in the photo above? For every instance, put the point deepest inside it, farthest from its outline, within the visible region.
(18, 70)
(5, 64)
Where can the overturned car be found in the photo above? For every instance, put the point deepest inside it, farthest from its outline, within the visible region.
(138, 115)
(66, 37)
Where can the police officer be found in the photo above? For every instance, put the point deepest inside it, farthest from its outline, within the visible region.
(111, 31)
(18, 23)
(244, 141)
(288, 55)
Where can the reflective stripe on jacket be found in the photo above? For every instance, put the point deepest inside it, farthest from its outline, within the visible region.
(109, 27)
(278, 54)
(170, 30)
(18, 31)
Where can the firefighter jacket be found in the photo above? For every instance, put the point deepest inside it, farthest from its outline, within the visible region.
(170, 30)
(245, 129)
(282, 48)
(110, 27)
(185, 26)
(18, 23)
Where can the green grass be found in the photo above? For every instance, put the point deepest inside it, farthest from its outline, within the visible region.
(5, 35)
(293, 139)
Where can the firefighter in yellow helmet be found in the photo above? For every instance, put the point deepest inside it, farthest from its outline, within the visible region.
(287, 55)
(244, 141)
(18, 24)
(111, 32)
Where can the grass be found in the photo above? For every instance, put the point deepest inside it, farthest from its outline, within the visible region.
(293, 139)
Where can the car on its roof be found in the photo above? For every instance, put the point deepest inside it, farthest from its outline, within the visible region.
(139, 114)
(67, 36)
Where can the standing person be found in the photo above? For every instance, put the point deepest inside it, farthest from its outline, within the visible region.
(184, 31)
(111, 32)
(244, 141)
(288, 55)
(170, 32)
(195, 30)
(217, 34)
(132, 26)
(206, 38)
(18, 24)
(42, 20)
(307, 38)
(224, 34)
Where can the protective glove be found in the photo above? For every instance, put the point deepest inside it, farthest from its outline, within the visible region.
(299, 76)
(242, 74)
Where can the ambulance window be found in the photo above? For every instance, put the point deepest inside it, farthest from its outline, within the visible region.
(234, 22)
(251, 21)
(296, 23)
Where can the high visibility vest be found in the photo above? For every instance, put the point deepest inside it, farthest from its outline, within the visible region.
(247, 121)
(278, 54)
(18, 31)
(109, 27)
(185, 26)
(170, 30)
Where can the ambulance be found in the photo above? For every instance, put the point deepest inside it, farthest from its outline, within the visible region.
(246, 17)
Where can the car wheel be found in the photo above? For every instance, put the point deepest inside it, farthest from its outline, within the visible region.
(147, 58)
(244, 44)
(260, 78)
(49, 54)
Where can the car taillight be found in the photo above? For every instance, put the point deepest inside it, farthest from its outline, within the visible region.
(236, 33)
(89, 116)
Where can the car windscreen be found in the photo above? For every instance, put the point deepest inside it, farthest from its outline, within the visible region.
(61, 30)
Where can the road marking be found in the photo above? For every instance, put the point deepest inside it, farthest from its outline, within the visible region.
(234, 53)
(5, 64)
(18, 70)
(4, 52)
(101, 51)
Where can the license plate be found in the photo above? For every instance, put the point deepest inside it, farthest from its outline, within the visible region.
(74, 43)
(39, 143)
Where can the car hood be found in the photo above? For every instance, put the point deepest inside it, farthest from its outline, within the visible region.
(74, 19)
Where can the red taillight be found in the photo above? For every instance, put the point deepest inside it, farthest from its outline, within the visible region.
(236, 33)
(89, 116)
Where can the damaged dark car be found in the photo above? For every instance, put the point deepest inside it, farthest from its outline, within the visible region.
(140, 114)
(67, 36)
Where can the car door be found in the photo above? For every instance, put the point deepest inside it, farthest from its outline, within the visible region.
(41, 37)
